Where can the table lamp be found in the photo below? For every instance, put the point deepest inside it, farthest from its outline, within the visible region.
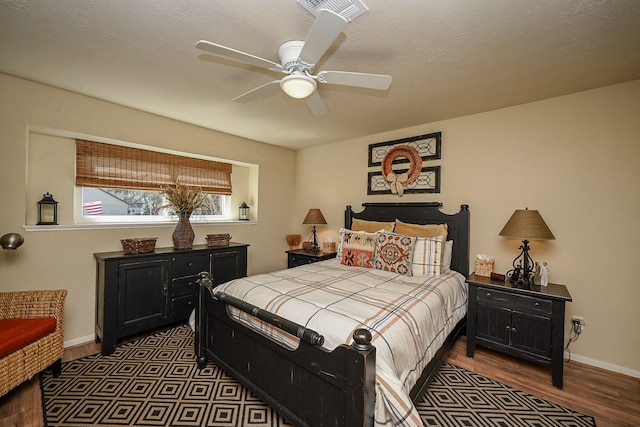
(527, 225)
(314, 216)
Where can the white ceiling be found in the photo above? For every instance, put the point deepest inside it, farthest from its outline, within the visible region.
(448, 58)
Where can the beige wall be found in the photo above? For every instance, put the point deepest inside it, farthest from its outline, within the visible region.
(64, 259)
(574, 158)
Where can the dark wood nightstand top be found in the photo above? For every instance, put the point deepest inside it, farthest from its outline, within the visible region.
(551, 291)
(316, 255)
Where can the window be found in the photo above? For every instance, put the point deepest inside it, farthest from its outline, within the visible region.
(115, 204)
(124, 184)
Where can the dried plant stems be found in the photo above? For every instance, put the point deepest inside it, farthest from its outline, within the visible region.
(184, 198)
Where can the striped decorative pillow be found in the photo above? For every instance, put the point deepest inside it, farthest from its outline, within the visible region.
(427, 256)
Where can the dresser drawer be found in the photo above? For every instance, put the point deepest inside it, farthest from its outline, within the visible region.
(190, 265)
(184, 286)
(523, 303)
(297, 260)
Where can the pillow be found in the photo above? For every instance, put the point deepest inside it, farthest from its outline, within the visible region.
(357, 248)
(394, 252)
(427, 256)
(371, 226)
(446, 257)
(428, 230)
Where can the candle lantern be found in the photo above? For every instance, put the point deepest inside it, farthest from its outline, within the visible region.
(243, 214)
(47, 210)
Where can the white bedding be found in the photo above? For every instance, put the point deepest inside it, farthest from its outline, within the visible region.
(408, 317)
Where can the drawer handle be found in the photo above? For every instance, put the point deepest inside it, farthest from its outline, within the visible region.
(488, 294)
(536, 304)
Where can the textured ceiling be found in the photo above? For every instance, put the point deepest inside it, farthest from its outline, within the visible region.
(447, 58)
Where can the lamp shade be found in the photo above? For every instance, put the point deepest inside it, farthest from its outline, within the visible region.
(298, 85)
(528, 225)
(314, 216)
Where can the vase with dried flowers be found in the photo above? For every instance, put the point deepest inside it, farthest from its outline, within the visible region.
(183, 200)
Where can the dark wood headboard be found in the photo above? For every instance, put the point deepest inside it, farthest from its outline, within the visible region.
(423, 213)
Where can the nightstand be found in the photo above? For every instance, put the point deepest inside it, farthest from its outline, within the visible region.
(297, 257)
(526, 322)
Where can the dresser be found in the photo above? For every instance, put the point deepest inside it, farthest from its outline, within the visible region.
(297, 257)
(136, 293)
(523, 321)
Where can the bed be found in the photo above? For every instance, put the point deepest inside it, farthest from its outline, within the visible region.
(316, 373)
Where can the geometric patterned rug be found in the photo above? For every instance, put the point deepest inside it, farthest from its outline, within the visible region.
(154, 381)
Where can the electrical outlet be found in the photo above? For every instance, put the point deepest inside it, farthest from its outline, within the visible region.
(579, 320)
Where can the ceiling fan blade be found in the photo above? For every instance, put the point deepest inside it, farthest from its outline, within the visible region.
(326, 29)
(257, 92)
(345, 78)
(316, 104)
(227, 52)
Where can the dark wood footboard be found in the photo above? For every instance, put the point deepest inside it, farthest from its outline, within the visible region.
(309, 386)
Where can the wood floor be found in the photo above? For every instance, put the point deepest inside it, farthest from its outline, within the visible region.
(613, 399)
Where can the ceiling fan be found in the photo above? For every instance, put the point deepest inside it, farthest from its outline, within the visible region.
(297, 60)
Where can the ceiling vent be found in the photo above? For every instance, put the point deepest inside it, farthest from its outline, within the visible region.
(348, 9)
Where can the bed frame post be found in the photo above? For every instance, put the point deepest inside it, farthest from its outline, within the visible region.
(363, 381)
(204, 281)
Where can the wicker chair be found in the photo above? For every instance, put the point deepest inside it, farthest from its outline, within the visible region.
(47, 351)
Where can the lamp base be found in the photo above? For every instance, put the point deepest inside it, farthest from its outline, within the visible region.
(522, 272)
(312, 245)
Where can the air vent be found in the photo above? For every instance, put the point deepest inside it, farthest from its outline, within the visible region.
(348, 9)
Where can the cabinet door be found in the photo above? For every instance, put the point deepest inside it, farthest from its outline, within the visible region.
(228, 265)
(531, 333)
(142, 295)
(493, 323)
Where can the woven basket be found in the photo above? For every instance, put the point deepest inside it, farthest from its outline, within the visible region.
(139, 245)
(484, 267)
(218, 239)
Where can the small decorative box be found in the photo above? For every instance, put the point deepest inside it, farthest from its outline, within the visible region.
(329, 247)
(484, 267)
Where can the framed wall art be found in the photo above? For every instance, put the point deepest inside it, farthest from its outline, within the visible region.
(428, 181)
(401, 167)
(428, 147)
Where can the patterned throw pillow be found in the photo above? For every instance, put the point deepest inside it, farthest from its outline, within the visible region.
(357, 248)
(394, 252)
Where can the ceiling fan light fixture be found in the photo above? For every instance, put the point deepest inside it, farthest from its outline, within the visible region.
(298, 85)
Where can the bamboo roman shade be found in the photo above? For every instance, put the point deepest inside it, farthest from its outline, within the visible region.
(114, 166)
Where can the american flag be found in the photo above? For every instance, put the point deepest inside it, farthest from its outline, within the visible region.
(93, 208)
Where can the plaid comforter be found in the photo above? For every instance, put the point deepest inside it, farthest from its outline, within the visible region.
(409, 319)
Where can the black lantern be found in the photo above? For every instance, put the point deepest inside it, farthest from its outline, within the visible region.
(243, 215)
(47, 210)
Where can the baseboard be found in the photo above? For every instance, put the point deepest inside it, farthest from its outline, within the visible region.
(77, 341)
(603, 365)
